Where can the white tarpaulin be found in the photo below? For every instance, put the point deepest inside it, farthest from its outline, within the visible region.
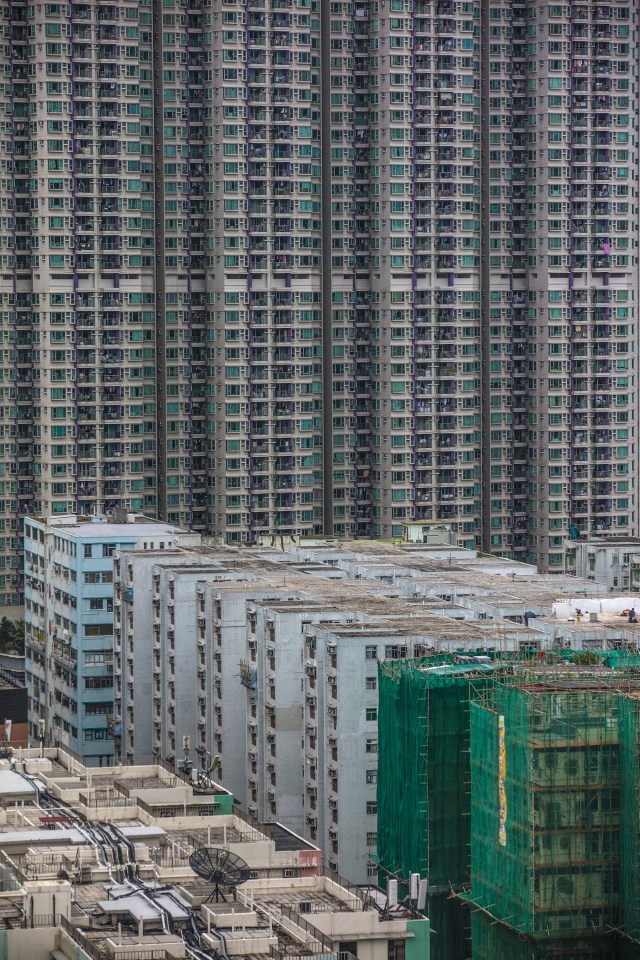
(566, 609)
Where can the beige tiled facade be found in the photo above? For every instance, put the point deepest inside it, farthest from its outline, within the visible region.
(286, 267)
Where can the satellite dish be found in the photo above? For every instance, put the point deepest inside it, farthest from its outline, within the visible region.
(219, 867)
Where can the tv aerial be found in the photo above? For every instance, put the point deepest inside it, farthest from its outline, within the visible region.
(219, 867)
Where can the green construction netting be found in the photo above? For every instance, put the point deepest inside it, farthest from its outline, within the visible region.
(556, 873)
(628, 951)
(623, 660)
(492, 941)
(423, 769)
(423, 786)
(629, 723)
(555, 866)
(450, 927)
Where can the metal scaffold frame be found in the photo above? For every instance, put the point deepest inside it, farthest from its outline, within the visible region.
(513, 787)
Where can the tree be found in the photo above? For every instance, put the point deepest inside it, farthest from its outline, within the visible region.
(6, 634)
(18, 637)
(12, 636)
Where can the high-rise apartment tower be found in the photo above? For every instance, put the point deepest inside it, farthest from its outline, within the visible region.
(303, 266)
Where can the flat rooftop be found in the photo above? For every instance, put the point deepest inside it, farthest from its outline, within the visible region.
(134, 791)
(119, 531)
(606, 623)
(124, 881)
(285, 839)
(606, 541)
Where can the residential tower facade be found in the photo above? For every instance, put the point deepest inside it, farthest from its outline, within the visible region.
(290, 267)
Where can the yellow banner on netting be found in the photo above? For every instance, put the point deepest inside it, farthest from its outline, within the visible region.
(502, 793)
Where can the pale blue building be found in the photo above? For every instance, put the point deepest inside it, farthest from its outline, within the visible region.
(69, 623)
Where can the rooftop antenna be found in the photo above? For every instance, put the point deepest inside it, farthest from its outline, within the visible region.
(205, 777)
(416, 896)
(186, 764)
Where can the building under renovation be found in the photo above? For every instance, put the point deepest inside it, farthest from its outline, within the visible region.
(423, 798)
(522, 805)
